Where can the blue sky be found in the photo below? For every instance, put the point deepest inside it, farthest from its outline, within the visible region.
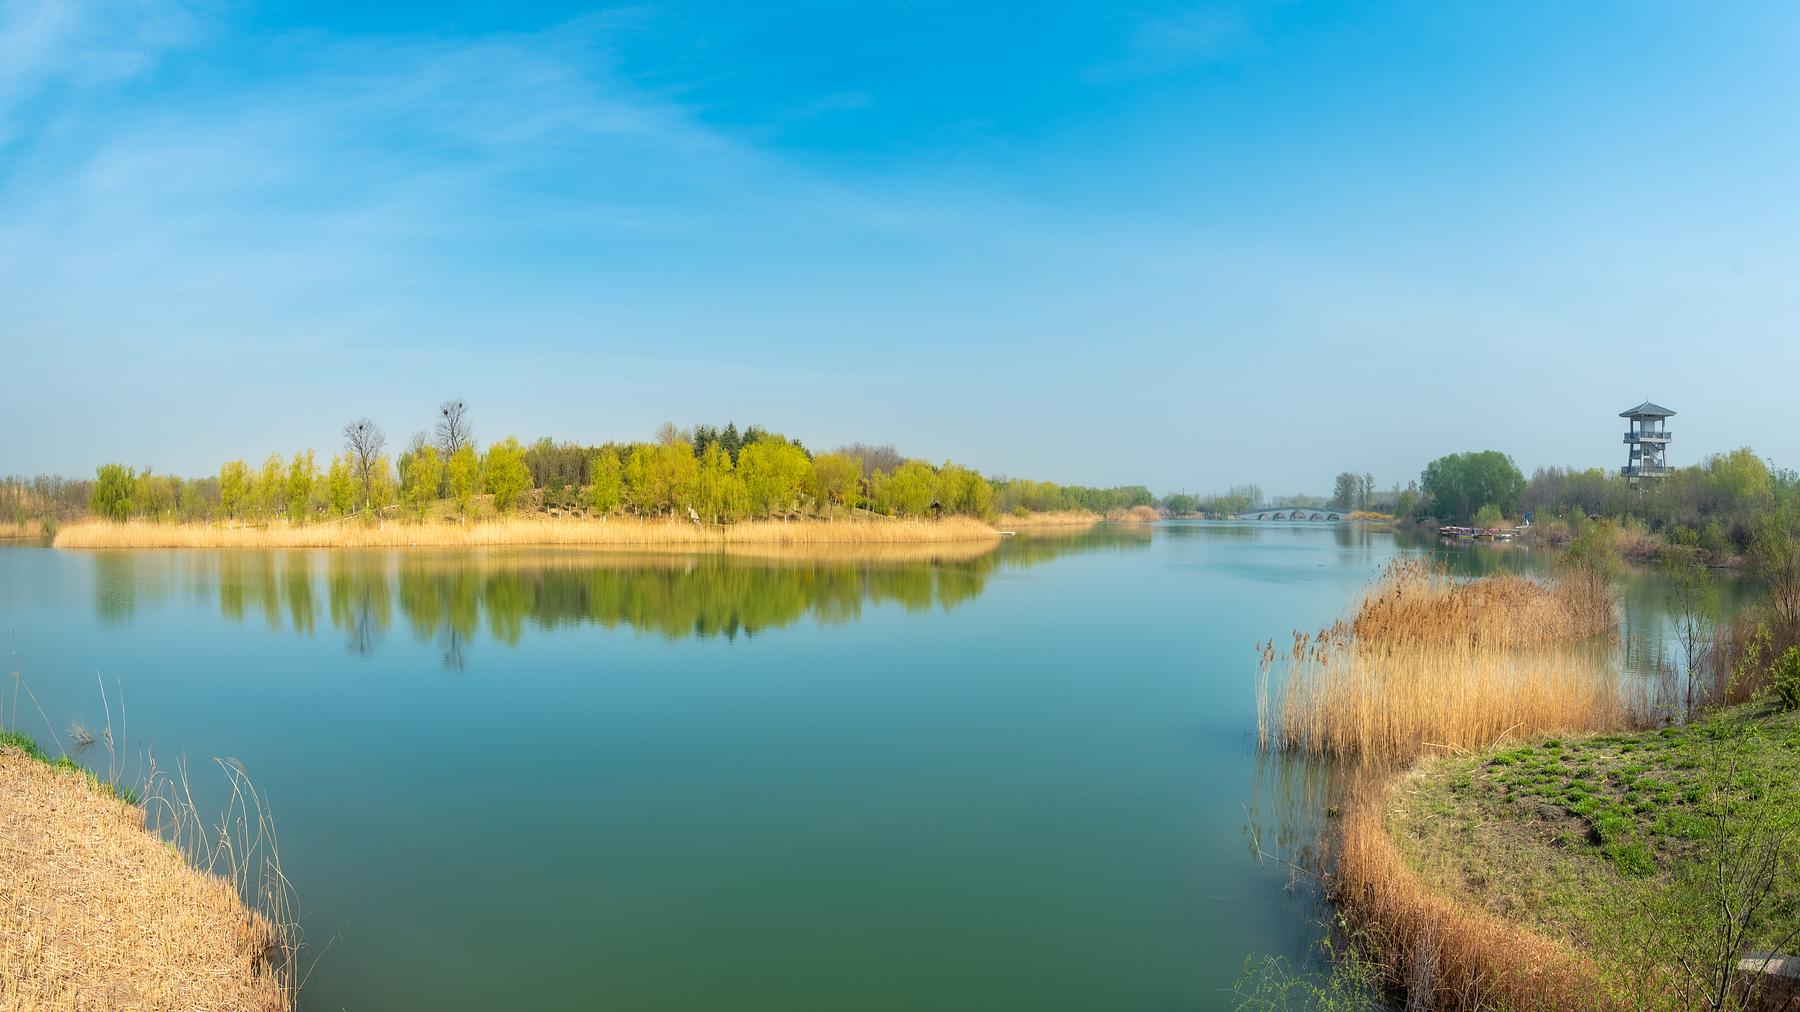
(1185, 245)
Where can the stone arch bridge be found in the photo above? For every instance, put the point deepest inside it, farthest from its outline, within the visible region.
(1309, 513)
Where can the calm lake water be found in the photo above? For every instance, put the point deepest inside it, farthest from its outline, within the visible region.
(1022, 779)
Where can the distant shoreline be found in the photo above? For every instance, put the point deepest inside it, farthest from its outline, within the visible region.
(536, 531)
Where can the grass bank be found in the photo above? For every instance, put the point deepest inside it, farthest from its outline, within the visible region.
(1662, 856)
(612, 532)
(97, 912)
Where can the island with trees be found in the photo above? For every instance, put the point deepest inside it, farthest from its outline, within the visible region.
(708, 484)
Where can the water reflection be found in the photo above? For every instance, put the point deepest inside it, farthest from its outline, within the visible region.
(455, 597)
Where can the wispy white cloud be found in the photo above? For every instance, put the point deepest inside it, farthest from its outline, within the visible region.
(345, 158)
(47, 45)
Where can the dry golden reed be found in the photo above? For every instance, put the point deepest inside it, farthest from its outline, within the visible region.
(96, 913)
(1134, 515)
(1417, 603)
(1052, 518)
(1430, 664)
(614, 532)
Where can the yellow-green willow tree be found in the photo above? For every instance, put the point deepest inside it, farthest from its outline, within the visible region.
(774, 472)
(505, 472)
(606, 487)
(234, 484)
(419, 485)
(836, 477)
(465, 477)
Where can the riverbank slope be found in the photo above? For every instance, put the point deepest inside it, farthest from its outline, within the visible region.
(1663, 856)
(97, 913)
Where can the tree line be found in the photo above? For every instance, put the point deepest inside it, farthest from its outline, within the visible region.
(710, 473)
(1720, 504)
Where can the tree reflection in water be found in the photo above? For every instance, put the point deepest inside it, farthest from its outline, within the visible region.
(454, 597)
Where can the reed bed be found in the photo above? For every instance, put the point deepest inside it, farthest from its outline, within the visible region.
(1134, 515)
(1428, 663)
(1052, 518)
(1443, 954)
(1343, 698)
(525, 532)
(11, 529)
(1418, 603)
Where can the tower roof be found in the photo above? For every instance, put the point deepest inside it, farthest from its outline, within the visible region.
(1646, 410)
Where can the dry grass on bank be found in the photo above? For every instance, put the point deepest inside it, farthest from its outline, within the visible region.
(1054, 518)
(1134, 515)
(1431, 664)
(96, 913)
(9, 529)
(1444, 954)
(615, 532)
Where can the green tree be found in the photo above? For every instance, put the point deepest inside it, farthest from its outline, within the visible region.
(1593, 555)
(719, 494)
(269, 488)
(1461, 483)
(1775, 559)
(1785, 676)
(909, 490)
(380, 485)
(419, 485)
(465, 477)
(638, 471)
(234, 487)
(340, 486)
(154, 495)
(606, 485)
(964, 491)
(505, 472)
(774, 471)
(1344, 489)
(115, 486)
(836, 477)
(302, 475)
(660, 476)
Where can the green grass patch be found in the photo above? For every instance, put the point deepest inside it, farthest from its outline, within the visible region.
(17, 742)
(1608, 842)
